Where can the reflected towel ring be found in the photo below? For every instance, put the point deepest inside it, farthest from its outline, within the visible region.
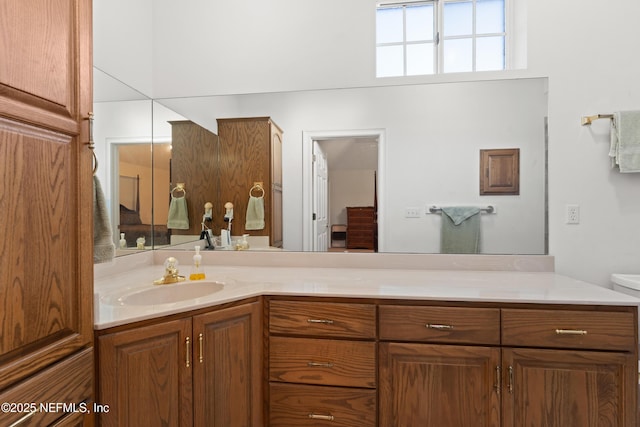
(256, 187)
(179, 187)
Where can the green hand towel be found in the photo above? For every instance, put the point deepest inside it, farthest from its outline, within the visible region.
(178, 217)
(103, 247)
(460, 230)
(255, 214)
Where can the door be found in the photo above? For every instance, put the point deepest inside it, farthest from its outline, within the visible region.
(320, 199)
(228, 367)
(439, 385)
(146, 374)
(568, 388)
(46, 268)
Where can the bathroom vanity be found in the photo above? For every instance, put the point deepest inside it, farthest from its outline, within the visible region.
(301, 346)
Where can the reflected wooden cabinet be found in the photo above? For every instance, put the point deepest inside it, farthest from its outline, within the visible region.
(203, 370)
(250, 153)
(46, 199)
(361, 227)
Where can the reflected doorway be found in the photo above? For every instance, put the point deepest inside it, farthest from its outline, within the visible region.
(342, 170)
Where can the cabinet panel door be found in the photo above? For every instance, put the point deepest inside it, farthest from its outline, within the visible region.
(46, 194)
(145, 375)
(569, 388)
(438, 386)
(228, 367)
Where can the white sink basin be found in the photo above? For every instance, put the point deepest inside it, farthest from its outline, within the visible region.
(628, 280)
(163, 294)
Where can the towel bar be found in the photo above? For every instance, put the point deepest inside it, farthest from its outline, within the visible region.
(586, 120)
(435, 209)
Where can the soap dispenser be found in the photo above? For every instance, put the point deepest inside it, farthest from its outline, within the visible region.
(197, 273)
(123, 241)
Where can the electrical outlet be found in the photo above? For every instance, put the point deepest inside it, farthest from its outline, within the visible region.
(412, 212)
(573, 214)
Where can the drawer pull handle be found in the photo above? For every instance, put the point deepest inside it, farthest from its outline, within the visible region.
(570, 332)
(201, 341)
(510, 379)
(321, 417)
(498, 385)
(23, 419)
(437, 326)
(188, 352)
(322, 321)
(319, 365)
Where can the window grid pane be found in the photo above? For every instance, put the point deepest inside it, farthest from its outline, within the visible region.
(473, 37)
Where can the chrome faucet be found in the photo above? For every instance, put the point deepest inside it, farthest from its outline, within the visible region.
(170, 274)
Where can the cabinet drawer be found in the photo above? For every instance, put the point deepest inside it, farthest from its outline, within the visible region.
(440, 324)
(322, 319)
(568, 329)
(302, 405)
(322, 361)
(69, 381)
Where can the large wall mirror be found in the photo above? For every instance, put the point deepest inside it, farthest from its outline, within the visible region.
(401, 149)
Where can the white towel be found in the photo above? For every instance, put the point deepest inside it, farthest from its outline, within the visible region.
(625, 141)
(255, 214)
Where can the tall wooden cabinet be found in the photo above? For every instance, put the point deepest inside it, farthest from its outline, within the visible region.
(194, 162)
(46, 267)
(250, 153)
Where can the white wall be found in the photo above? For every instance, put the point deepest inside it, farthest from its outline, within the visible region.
(349, 187)
(586, 48)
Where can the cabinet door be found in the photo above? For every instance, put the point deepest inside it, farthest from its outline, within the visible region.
(551, 388)
(145, 375)
(438, 385)
(46, 272)
(228, 367)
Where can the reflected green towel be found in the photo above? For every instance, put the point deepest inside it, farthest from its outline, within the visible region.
(178, 217)
(460, 230)
(255, 214)
(103, 247)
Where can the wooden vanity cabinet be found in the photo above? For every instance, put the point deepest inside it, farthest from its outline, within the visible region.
(551, 366)
(447, 374)
(200, 370)
(322, 364)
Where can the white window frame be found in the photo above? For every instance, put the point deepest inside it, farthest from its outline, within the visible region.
(439, 38)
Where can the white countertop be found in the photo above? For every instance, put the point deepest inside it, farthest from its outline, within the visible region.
(438, 285)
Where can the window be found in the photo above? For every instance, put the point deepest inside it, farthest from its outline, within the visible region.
(440, 36)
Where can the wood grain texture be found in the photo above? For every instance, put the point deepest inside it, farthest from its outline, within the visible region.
(570, 388)
(361, 227)
(250, 152)
(342, 319)
(291, 406)
(194, 162)
(460, 324)
(144, 377)
(69, 381)
(438, 385)
(322, 361)
(500, 171)
(228, 381)
(537, 328)
(46, 291)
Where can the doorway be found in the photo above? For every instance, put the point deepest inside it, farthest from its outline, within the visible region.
(354, 171)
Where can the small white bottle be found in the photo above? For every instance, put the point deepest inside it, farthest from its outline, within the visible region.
(123, 241)
(197, 273)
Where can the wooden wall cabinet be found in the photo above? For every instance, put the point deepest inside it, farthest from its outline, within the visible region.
(251, 152)
(202, 370)
(46, 268)
(500, 171)
(194, 162)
